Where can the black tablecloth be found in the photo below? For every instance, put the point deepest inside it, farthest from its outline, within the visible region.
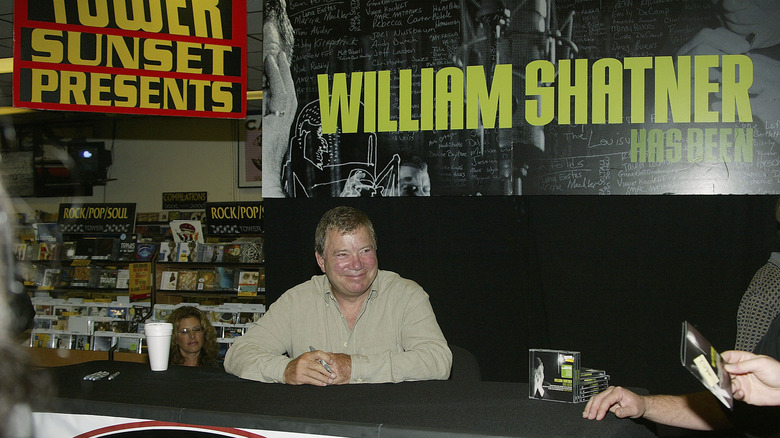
(213, 397)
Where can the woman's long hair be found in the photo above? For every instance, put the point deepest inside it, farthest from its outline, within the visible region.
(209, 354)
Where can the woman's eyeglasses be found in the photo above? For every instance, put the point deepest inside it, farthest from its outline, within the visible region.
(186, 331)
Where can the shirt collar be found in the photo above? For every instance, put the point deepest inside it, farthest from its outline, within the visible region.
(327, 293)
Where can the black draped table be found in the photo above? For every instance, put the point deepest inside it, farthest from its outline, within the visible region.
(211, 397)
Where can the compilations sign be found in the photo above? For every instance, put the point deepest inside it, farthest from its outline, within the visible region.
(164, 57)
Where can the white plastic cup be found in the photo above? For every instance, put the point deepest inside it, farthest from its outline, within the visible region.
(158, 344)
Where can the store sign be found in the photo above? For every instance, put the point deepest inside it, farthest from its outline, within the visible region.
(142, 57)
(232, 218)
(96, 218)
(184, 200)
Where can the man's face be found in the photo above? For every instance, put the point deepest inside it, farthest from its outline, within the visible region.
(414, 181)
(349, 261)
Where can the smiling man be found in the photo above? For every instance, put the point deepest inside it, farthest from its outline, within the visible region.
(363, 324)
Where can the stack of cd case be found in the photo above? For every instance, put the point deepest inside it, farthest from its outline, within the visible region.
(557, 375)
(591, 382)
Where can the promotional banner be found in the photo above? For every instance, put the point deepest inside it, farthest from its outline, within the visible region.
(183, 58)
(456, 97)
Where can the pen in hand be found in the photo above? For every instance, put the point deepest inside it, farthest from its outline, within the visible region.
(325, 364)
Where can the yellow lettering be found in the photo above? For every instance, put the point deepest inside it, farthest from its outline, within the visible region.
(184, 56)
(426, 99)
(153, 23)
(339, 100)
(205, 11)
(125, 91)
(59, 11)
(743, 145)
(146, 92)
(449, 98)
(383, 122)
(118, 45)
(158, 55)
(405, 121)
(218, 58)
(673, 145)
(73, 83)
(638, 145)
(479, 99)
(703, 88)
(97, 88)
(637, 66)
(573, 85)
(174, 26)
(655, 146)
(539, 110)
(40, 42)
(74, 49)
(677, 87)
(695, 145)
(101, 17)
(43, 80)
(369, 102)
(735, 91)
(200, 93)
(709, 144)
(607, 91)
(222, 96)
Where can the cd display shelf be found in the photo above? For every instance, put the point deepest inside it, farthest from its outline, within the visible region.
(210, 273)
(209, 282)
(75, 278)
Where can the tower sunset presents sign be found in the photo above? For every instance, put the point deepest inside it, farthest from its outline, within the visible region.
(165, 57)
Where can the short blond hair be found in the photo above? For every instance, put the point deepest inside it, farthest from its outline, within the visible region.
(345, 220)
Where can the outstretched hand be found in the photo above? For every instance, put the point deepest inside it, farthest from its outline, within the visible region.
(755, 379)
(618, 400)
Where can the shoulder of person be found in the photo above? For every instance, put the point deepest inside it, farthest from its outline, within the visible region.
(313, 287)
(390, 279)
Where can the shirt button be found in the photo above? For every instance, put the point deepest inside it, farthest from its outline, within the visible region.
(359, 380)
(345, 344)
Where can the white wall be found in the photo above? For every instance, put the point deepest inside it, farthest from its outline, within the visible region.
(152, 155)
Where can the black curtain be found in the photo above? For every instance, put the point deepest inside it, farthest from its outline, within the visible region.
(610, 276)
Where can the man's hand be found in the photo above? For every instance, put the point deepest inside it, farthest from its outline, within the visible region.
(620, 401)
(307, 370)
(754, 378)
(341, 365)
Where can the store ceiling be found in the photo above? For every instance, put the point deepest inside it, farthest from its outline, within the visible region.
(254, 59)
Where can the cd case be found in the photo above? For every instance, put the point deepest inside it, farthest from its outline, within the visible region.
(705, 363)
(553, 374)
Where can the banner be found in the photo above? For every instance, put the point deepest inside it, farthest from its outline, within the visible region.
(450, 97)
(96, 218)
(234, 218)
(182, 58)
(184, 200)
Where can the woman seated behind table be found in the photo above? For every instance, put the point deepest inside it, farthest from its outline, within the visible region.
(194, 340)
